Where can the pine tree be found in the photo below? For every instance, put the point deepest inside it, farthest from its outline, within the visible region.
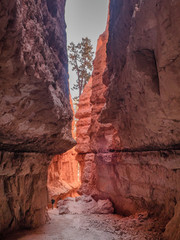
(81, 59)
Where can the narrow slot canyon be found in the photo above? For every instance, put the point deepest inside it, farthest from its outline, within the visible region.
(108, 167)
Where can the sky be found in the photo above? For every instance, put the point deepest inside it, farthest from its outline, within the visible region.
(84, 18)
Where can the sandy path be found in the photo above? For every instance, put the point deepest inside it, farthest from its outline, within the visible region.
(92, 227)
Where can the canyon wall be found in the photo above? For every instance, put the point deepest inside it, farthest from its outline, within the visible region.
(23, 190)
(63, 176)
(64, 173)
(84, 155)
(35, 113)
(93, 136)
(142, 100)
(143, 90)
(135, 120)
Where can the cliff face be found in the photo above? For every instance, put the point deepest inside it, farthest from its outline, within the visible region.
(35, 111)
(35, 114)
(64, 173)
(84, 116)
(93, 136)
(23, 180)
(134, 130)
(143, 95)
(63, 176)
(85, 157)
(143, 92)
(103, 137)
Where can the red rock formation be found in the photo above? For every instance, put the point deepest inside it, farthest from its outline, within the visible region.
(84, 156)
(103, 137)
(136, 165)
(84, 116)
(64, 173)
(92, 136)
(35, 111)
(63, 176)
(142, 102)
(35, 114)
(23, 190)
(172, 228)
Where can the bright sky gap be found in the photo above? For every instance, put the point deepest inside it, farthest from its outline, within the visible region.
(84, 18)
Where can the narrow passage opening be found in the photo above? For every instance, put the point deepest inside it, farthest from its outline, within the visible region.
(110, 168)
(85, 21)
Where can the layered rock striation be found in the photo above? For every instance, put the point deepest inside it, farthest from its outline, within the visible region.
(35, 113)
(103, 137)
(84, 155)
(135, 120)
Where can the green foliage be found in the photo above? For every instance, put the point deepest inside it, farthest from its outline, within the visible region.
(81, 60)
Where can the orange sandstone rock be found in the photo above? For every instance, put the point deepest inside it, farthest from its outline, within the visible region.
(64, 173)
(84, 116)
(103, 136)
(35, 113)
(133, 134)
(63, 176)
(142, 102)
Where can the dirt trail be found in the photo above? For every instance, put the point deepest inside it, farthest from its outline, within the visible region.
(93, 227)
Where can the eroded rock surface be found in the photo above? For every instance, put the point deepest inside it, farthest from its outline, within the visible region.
(142, 102)
(134, 129)
(103, 137)
(136, 181)
(143, 87)
(84, 156)
(23, 191)
(63, 176)
(35, 113)
(173, 227)
(84, 116)
(64, 173)
(93, 136)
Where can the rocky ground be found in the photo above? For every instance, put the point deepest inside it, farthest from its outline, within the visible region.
(85, 204)
(94, 227)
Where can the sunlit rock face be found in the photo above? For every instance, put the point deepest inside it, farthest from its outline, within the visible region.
(84, 155)
(64, 173)
(134, 130)
(103, 137)
(63, 176)
(84, 116)
(35, 114)
(93, 136)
